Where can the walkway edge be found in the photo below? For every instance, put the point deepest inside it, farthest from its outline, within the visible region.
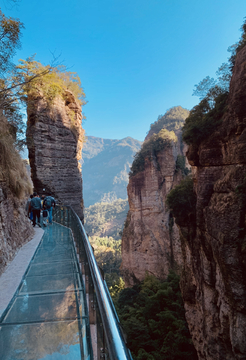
(11, 278)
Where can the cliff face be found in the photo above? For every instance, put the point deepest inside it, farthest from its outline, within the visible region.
(15, 228)
(55, 140)
(213, 280)
(150, 241)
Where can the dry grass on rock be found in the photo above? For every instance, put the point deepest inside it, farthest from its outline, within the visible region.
(12, 168)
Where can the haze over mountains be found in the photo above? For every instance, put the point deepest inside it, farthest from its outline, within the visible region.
(105, 168)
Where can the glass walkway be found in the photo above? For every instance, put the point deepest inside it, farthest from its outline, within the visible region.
(47, 318)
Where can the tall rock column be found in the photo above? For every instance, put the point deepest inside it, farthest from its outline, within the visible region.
(151, 241)
(55, 140)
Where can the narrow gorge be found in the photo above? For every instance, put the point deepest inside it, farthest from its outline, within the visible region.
(213, 281)
(207, 248)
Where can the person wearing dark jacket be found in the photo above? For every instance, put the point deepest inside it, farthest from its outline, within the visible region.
(48, 204)
(35, 208)
(28, 208)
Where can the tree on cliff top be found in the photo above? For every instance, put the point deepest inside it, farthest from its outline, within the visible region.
(172, 120)
(205, 117)
(156, 143)
(10, 32)
(28, 78)
(10, 83)
(54, 82)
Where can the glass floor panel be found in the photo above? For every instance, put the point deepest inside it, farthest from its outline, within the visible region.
(43, 307)
(45, 256)
(50, 283)
(47, 318)
(47, 341)
(58, 250)
(55, 268)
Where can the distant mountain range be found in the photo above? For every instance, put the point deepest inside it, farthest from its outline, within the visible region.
(105, 168)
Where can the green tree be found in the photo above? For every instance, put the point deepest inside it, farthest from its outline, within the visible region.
(10, 32)
(180, 165)
(10, 83)
(205, 117)
(152, 315)
(172, 120)
(182, 202)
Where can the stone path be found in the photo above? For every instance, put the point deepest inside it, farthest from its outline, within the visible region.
(11, 278)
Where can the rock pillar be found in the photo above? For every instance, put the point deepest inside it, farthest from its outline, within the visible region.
(55, 140)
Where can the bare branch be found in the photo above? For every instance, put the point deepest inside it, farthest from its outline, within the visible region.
(28, 81)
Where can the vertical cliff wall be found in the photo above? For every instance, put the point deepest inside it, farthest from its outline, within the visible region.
(55, 140)
(150, 241)
(15, 228)
(213, 279)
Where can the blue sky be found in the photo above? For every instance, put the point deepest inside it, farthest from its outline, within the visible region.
(136, 59)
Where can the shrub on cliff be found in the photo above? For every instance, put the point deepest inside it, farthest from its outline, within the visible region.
(172, 120)
(150, 148)
(182, 202)
(53, 83)
(205, 117)
(12, 169)
(180, 165)
(234, 49)
(152, 315)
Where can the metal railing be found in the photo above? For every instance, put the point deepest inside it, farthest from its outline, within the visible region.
(107, 337)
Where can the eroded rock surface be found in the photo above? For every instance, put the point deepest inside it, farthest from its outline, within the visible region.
(55, 140)
(15, 228)
(213, 280)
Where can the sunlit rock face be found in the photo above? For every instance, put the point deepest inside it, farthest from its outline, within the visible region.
(151, 241)
(55, 140)
(213, 279)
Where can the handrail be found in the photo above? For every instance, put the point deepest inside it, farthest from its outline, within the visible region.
(114, 337)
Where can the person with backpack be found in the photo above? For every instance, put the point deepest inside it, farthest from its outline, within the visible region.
(44, 212)
(48, 204)
(35, 206)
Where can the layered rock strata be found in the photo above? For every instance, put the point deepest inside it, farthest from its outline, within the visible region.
(213, 279)
(150, 241)
(55, 140)
(15, 228)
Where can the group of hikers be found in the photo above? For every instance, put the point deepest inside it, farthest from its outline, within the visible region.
(37, 206)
